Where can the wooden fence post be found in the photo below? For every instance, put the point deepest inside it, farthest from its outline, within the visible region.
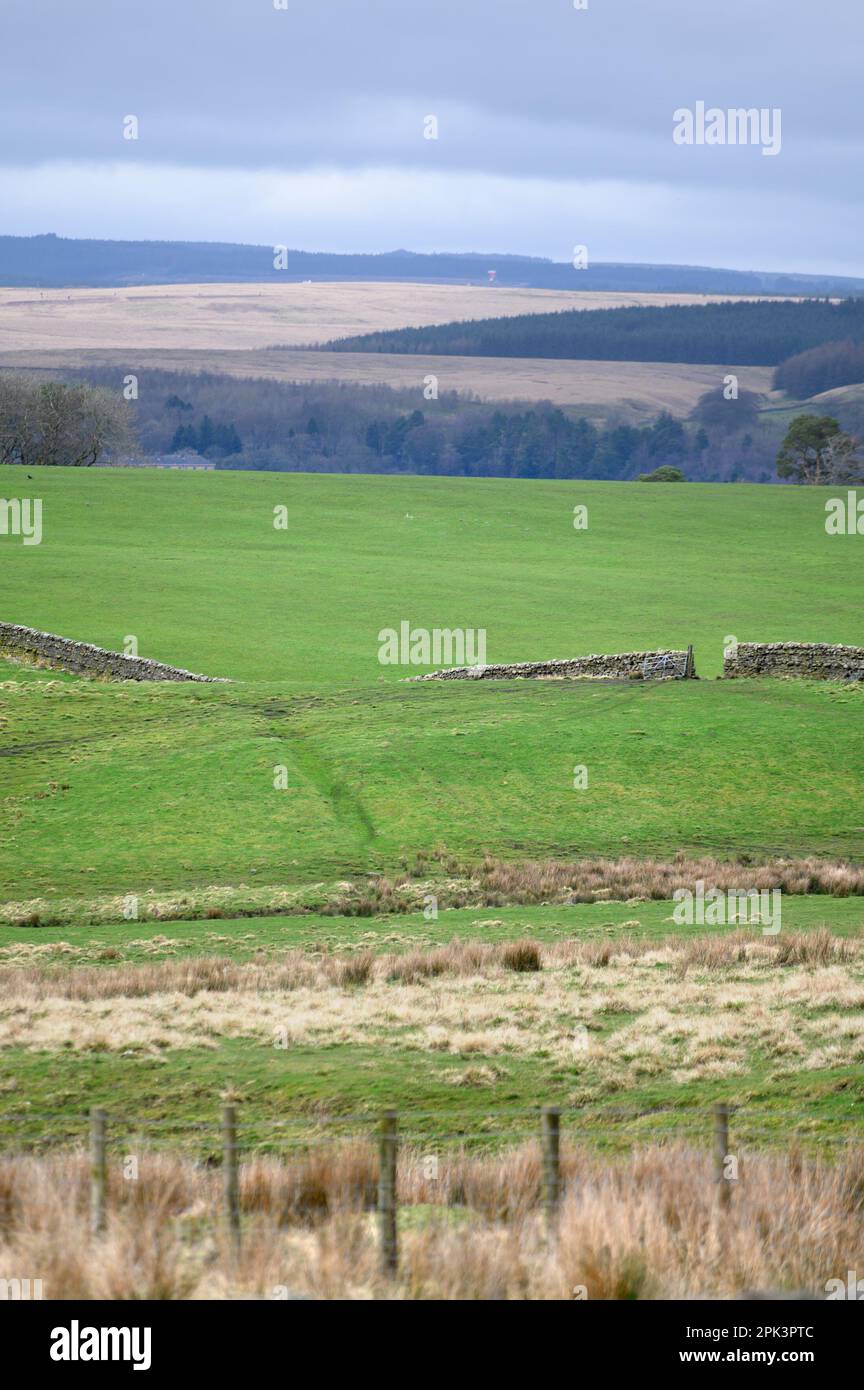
(721, 1151)
(230, 1169)
(387, 1204)
(98, 1171)
(551, 1137)
(690, 665)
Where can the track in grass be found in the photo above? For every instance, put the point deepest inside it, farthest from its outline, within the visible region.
(124, 788)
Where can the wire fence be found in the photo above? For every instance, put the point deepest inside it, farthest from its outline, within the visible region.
(394, 1143)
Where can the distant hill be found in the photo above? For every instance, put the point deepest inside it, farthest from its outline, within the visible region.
(50, 261)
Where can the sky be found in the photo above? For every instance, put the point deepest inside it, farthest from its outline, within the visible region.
(306, 125)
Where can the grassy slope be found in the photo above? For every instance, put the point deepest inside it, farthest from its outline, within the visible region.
(248, 315)
(110, 787)
(115, 788)
(192, 566)
(121, 789)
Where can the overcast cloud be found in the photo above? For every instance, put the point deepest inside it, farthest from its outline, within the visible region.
(305, 126)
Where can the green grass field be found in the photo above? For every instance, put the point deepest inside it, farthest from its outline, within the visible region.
(192, 566)
(119, 788)
(112, 789)
(243, 939)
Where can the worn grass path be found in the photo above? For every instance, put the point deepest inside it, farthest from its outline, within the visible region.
(122, 789)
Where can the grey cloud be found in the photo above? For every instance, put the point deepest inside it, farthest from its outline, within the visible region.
(522, 88)
(348, 81)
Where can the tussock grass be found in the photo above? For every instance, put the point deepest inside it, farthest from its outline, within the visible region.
(644, 1227)
(521, 956)
(587, 880)
(295, 970)
(614, 1017)
(489, 883)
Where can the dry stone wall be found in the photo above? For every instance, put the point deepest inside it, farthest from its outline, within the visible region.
(622, 666)
(84, 659)
(810, 660)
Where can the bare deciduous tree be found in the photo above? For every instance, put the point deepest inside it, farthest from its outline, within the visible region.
(51, 423)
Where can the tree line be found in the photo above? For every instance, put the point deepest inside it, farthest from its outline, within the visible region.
(338, 427)
(762, 333)
(821, 368)
(345, 428)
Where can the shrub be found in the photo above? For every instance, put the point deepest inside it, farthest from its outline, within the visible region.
(521, 956)
(666, 473)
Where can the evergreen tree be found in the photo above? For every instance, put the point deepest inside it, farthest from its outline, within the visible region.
(206, 435)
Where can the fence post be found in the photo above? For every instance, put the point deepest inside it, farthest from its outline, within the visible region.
(721, 1150)
(690, 665)
(551, 1137)
(387, 1218)
(230, 1171)
(98, 1171)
